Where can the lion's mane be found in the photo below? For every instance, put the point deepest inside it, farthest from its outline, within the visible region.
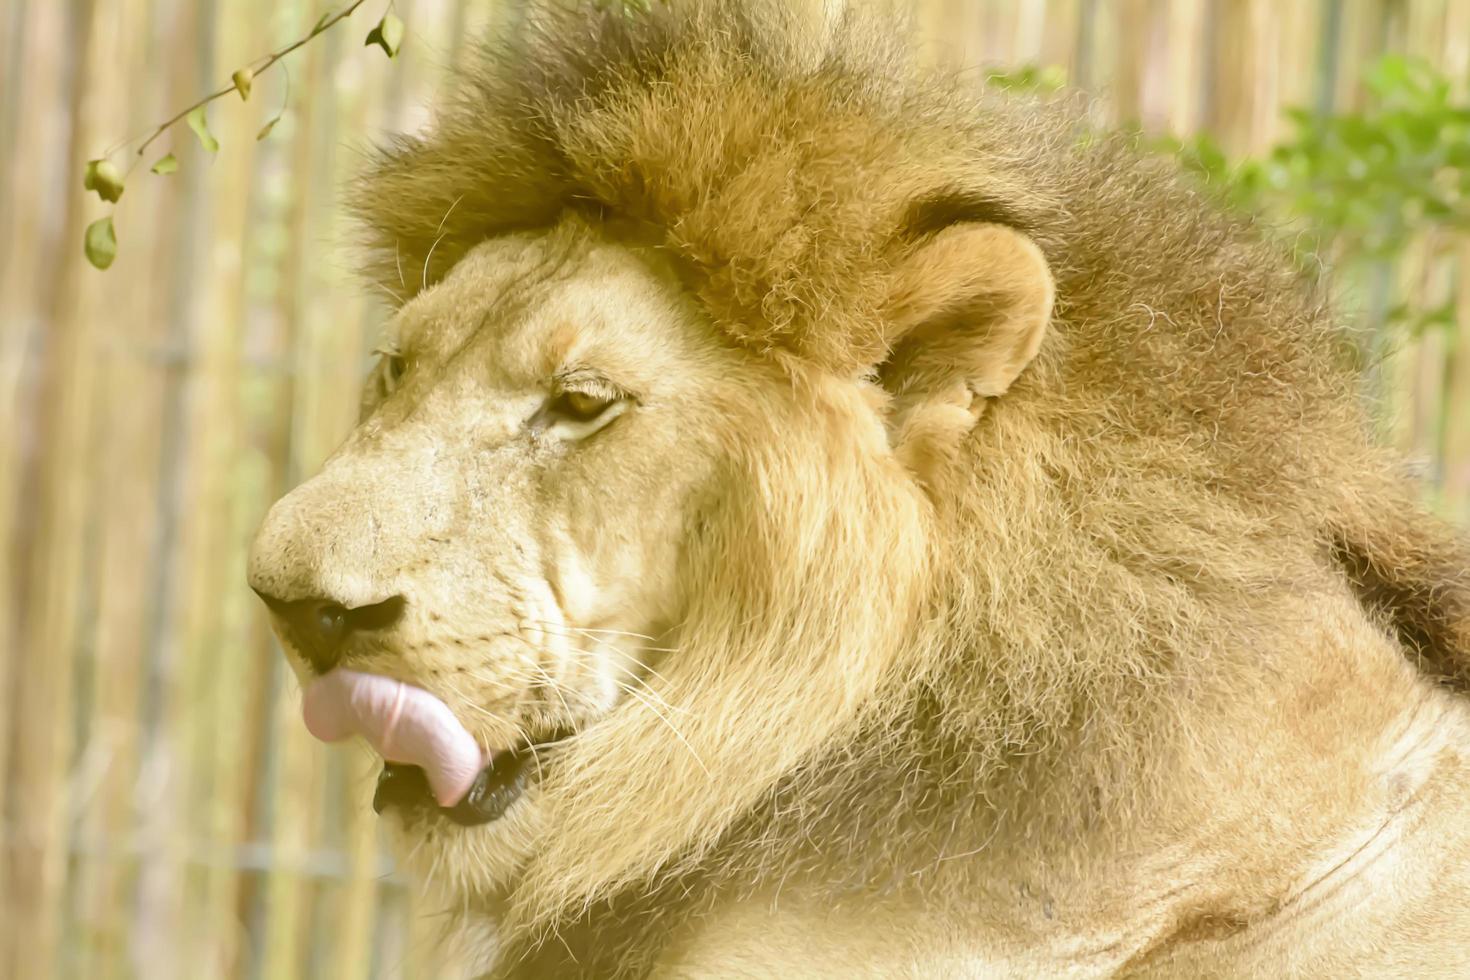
(882, 682)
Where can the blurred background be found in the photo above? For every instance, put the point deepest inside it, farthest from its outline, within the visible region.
(163, 812)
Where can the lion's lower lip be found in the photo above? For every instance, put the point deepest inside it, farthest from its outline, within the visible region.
(496, 787)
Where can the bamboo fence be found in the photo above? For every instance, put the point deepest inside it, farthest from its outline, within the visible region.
(163, 812)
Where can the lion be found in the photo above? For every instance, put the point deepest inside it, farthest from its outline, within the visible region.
(871, 528)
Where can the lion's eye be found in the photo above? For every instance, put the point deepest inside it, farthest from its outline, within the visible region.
(382, 381)
(579, 406)
(575, 414)
(389, 371)
(394, 366)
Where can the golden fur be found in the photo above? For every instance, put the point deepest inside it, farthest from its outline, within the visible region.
(1041, 598)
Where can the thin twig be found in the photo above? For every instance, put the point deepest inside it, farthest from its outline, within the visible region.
(268, 61)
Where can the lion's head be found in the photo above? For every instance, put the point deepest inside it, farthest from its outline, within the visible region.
(577, 511)
(808, 447)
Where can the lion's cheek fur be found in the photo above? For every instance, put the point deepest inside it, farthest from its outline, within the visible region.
(815, 562)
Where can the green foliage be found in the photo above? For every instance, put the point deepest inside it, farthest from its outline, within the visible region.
(243, 80)
(1032, 79)
(100, 243)
(199, 122)
(1357, 186)
(388, 35)
(103, 177)
(1361, 186)
(1368, 181)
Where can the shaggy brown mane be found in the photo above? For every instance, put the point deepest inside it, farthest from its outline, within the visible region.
(1186, 449)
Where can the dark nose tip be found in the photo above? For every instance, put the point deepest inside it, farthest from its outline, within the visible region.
(319, 628)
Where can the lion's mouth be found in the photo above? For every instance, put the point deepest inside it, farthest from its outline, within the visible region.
(431, 762)
(498, 785)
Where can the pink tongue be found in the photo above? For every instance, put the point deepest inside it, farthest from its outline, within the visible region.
(404, 723)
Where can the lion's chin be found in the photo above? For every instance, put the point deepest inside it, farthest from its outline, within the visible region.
(462, 869)
(502, 782)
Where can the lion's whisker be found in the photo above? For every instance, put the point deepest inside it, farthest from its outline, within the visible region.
(440, 232)
(651, 693)
(608, 632)
(555, 687)
(577, 632)
(652, 673)
(671, 727)
(390, 292)
(590, 629)
(629, 675)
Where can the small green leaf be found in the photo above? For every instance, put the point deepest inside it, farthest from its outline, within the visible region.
(242, 80)
(101, 176)
(101, 243)
(200, 124)
(321, 23)
(166, 165)
(1029, 79)
(1051, 78)
(266, 129)
(388, 35)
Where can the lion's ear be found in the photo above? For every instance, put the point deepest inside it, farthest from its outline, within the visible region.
(971, 303)
(969, 307)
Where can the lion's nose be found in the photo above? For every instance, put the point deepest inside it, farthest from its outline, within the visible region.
(319, 627)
